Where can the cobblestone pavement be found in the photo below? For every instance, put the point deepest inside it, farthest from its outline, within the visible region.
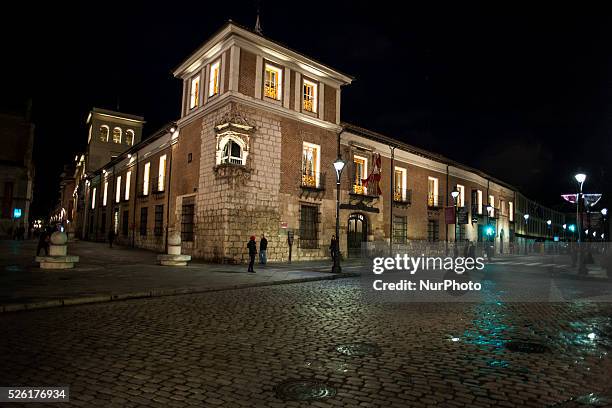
(233, 349)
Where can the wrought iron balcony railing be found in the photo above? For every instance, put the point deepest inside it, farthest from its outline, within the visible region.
(401, 197)
(433, 201)
(271, 92)
(308, 105)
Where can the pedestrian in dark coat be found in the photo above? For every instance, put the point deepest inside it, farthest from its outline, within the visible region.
(252, 246)
(333, 248)
(263, 247)
(111, 237)
(43, 242)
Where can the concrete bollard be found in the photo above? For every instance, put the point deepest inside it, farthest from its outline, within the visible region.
(58, 254)
(174, 257)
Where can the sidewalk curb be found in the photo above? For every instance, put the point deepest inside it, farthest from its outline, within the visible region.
(83, 300)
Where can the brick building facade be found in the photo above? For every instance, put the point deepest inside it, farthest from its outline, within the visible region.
(252, 154)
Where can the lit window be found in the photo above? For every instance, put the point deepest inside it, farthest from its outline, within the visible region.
(129, 137)
(461, 198)
(161, 179)
(118, 190)
(511, 210)
(128, 179)
(479, 201)
(399, 182)
(117, 135)
(311, 157)
(93, 199)
(104, 132)
(432, 191)
(232, 153)
(145, 179)
(361, 169)
(104, 196)
(213, 82)
(492, 204)
(309, 97)
(194, 94)
(273, 82)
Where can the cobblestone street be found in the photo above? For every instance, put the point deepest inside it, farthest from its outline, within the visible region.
(234, 348)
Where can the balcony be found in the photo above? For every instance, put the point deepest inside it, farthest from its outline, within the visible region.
(313, 181)
(434, 201)
(400, 199)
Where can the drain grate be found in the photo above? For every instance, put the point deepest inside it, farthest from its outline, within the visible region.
(358, 349)
(526, 347)
(304, 390)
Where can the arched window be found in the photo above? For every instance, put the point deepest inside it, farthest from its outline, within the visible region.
(104, 132)
(129, 137)
(232, 153)
(117, 135)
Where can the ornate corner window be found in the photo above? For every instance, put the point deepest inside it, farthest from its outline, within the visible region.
(233, 142)
(273, 80)
(309, 96)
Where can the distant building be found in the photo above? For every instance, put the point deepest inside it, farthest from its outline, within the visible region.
(16, 172)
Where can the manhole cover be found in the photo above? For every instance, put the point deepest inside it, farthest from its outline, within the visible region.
(588, 400)
(526, 347)
(358, 349)
(304, 390)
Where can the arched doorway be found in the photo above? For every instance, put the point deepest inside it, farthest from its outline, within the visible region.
(357, 234)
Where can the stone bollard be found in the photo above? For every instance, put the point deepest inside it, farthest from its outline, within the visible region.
(174, 257)
(58, 254)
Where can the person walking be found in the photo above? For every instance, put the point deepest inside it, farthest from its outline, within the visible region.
(111, 237)
(43, 242)
(252, 246)
(263, 247)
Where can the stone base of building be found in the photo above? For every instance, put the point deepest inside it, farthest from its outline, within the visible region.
(57, 262)
(173, 260)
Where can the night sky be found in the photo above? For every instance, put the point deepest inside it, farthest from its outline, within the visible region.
(523, 94)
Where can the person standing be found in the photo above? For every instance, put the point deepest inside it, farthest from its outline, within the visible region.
(43, 242)
(263, 247)
(252, 246)
(333, 248)
(111, 237)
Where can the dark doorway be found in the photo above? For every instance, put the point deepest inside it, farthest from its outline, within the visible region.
(357, 234)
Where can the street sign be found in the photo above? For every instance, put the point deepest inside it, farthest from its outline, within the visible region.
(462, 215)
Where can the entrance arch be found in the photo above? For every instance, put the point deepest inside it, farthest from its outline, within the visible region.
(357, 233)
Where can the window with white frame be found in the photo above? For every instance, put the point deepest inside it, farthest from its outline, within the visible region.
(510, 210)
(492, 204)
(161, 174)
(311, 159)
(129, 137)
(361, 171)
(479, 197)
(117, 135)
(432, 191)
(194, 92)
(105, 194)
(214, 78)
(232, 152)
(104, 133)
(118, 189)
(93, 199)
(309, 96)
(399, 184)
(128, 179)
(273, 82)
(146, 179)
(461, 197)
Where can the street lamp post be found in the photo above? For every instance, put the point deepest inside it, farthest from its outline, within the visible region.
(526, 217)
(549, 232)
(338, 166)
(580, 178)
(455, 195)
(604, 213)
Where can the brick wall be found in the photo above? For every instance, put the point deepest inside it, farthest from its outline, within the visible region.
(227, 71)
(246, 79)
(330, 104)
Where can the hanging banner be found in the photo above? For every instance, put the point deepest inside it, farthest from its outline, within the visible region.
(449, 215)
